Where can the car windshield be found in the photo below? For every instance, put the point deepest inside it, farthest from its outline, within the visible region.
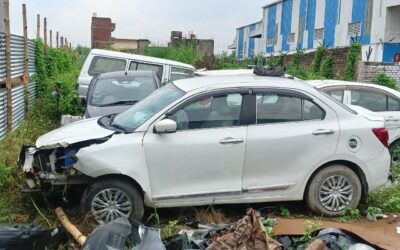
(144, 110)
(121, 90)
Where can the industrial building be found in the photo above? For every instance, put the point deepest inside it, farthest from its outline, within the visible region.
(290, 25)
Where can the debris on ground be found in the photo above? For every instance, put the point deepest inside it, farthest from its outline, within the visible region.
(380, 234)
(123, 233)
(29, 236)
(248, 233)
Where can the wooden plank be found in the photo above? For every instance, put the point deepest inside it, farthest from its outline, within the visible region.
(51, 39)
(8, 65)
(38, 26)
(26, 59)
(45, 34)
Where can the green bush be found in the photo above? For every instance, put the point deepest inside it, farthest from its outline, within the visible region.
(385, 80)
(327, 67)
(352, 57)
(58, 65)
(185, 52)
(316, 63)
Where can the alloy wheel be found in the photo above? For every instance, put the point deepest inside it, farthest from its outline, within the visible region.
(335, 193)
(110, 204)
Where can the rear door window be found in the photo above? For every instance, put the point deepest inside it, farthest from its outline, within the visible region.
(373, 101)
(158, 69)
(277, 108)
(105, 64)
(181, 73)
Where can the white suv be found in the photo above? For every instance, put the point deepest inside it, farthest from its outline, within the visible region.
(216, 139)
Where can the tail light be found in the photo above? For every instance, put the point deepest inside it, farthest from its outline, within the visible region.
(382, 135)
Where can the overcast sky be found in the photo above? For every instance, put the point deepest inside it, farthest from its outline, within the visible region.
(151, 19)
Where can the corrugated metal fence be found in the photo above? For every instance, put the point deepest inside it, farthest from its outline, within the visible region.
(17, 69)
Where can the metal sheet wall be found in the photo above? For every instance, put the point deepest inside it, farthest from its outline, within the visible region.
(18, 107)
(17, 56)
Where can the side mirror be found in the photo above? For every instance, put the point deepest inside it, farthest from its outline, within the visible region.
(165, 126)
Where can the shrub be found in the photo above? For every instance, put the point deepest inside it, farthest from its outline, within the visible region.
(385, 80)
(352, 58)
(316, 63)
(327, 67)
(58, 65)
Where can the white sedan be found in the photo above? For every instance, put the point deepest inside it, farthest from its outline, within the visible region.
(216, 140)
(382, 100)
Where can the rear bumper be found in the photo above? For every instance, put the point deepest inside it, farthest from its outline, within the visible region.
(378, 171)
(83, 90)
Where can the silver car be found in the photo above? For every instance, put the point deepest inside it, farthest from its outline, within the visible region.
(113, 93)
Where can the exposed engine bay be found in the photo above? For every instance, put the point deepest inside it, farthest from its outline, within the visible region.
(52, 168)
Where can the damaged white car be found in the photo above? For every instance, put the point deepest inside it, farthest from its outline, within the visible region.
(212, 140)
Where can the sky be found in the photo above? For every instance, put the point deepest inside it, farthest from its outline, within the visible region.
(147, 19)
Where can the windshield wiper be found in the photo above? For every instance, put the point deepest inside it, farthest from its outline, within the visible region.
(119, 103)
(114, 125)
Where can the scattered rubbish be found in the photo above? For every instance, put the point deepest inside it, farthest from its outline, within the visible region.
(379, 235)
(29, 236)
(249, 234)
(123, 233)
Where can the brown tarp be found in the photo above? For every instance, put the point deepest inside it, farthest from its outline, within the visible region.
(381, 233)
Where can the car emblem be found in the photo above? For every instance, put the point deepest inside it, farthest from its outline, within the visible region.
(354, 144)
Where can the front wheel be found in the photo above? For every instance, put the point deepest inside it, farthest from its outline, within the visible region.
(109, 199)
(333, 190)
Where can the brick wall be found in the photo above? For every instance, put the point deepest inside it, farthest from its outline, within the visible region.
(101, 32)
(367, 71)
(340, 55)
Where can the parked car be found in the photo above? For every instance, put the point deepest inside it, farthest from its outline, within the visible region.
(213, 140)
(379, 99)
(104, 61)
(115, 92)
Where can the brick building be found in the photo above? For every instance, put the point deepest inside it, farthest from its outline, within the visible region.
(101, 37)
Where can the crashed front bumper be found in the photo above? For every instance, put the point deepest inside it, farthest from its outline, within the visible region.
(46, 169)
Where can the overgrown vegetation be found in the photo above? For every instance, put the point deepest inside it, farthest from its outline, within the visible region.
(385, 80)
(388, 198)
(352, 59)
(56, 66)
(316, 63)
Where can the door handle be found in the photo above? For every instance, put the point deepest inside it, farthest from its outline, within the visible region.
(323, 132)
(230, 140)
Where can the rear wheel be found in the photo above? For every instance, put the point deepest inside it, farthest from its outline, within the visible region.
(109, 199)
(333, 190)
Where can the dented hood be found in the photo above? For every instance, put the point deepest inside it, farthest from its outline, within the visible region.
(83, 130)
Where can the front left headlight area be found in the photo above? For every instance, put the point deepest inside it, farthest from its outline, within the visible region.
(45, 169)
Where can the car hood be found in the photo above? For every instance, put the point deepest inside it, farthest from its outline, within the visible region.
(83, 130)
(92, 111)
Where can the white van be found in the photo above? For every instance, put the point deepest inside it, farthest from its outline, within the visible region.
(102, 61)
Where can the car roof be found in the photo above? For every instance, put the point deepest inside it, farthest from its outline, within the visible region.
(210, 82)
(126, 73)
(108, 53)
(336, 83)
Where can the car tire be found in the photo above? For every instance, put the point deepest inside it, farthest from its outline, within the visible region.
(109, 199)
(333, 190)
